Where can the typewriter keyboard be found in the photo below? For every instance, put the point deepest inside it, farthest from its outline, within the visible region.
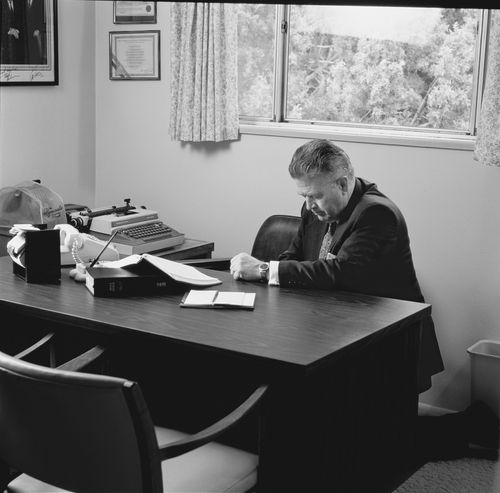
(148, 232)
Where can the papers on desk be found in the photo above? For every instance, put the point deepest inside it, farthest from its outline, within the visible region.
(176, 270)
(218, 299)
(143, 274)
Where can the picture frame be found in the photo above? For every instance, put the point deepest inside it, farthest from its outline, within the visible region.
(134, 55)
(29, 43)
(129, 12)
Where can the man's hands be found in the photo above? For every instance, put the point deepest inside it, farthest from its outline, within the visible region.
(245, 267)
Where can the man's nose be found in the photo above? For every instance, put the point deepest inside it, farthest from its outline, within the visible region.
(310, 204)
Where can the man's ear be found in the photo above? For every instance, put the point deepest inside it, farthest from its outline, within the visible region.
(343, 184)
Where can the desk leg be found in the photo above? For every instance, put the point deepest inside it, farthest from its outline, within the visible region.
(345, 428)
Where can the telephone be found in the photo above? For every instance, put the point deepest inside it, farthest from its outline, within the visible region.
(81, 248)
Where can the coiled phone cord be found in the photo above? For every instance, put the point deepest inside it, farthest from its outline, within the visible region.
(79, 272)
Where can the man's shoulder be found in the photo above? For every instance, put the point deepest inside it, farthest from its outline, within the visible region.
(370, 194)
(371, 197)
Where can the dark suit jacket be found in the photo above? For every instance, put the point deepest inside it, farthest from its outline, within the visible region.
(373, 256)
(35, 20)
(12, 49)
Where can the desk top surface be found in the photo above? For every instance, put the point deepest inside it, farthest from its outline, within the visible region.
(295, 329)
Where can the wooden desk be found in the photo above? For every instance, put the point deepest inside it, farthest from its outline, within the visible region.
(188, 250)
(342, 368)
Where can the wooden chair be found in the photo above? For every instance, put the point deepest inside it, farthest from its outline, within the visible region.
(273, 237)
(65, 430)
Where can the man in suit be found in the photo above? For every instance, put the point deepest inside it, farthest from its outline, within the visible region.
(352, 237)
(36, 35)
(366, 247)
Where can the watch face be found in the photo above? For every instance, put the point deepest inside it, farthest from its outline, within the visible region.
(263, 269)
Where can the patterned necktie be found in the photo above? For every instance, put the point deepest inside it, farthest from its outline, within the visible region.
(327, 241)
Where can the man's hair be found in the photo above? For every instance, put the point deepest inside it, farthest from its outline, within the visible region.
(320, 156)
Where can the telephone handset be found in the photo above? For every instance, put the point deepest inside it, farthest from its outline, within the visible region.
(79, 247)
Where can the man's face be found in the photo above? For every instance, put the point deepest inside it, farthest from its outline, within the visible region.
(325, 196)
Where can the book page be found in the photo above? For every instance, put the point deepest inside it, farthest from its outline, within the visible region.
(199, 298)
(176, 270)
(235, 298)
(181, 272)
(124, 262)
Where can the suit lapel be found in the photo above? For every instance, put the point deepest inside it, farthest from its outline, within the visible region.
(346, 215)
(315, 229)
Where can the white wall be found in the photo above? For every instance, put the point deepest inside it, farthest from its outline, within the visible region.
(223, 192)
(47, 132)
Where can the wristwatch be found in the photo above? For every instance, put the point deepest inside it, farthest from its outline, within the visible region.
(263, 271)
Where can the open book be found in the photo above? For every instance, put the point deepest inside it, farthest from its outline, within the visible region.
(143, 274)
(218, 299)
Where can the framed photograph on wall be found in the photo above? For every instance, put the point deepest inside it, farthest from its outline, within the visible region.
(28, 45)
(134, 55)
(128, 12)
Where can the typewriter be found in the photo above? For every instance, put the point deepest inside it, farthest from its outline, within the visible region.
(138, 230)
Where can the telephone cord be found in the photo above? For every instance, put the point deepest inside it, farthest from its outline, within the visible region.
(79, 272)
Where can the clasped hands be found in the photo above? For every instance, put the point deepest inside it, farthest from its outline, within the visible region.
(245, 267)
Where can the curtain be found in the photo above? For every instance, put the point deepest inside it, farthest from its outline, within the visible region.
(204, 72)
(487, 149)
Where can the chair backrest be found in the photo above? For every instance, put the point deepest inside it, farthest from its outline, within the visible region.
(274, 236)
(77, 431)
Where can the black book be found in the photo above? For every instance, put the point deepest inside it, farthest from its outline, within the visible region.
(142, 275)
(123, 282)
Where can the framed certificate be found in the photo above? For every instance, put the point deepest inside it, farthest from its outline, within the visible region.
(28, 45)
(134, 55)
(128, 12)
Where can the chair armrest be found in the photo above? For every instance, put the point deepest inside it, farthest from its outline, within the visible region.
(82, 360)
(41, 343)
(210, 433)
(208, 263)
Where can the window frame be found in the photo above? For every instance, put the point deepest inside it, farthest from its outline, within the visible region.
(280, 125)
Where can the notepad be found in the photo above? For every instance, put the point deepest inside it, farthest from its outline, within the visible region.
(218, 299)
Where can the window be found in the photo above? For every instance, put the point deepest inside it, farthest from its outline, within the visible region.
(378, 68)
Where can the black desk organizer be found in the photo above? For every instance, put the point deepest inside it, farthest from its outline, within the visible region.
(42, 257)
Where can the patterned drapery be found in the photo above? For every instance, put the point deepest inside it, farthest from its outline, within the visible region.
(487, 149)
(204, 72)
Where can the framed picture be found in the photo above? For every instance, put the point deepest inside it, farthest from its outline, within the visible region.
(127, 12)
(28, 45)
(134, 55)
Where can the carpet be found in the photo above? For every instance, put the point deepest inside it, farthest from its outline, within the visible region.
(464, 475)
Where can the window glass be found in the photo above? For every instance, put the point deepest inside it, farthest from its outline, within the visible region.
(256, 47)
(409, 67)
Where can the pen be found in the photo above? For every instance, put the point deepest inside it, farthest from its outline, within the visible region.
(103, 248)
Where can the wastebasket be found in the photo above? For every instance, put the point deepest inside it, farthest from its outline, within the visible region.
(485, 373)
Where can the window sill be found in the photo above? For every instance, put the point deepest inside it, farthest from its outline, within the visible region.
(361, 135)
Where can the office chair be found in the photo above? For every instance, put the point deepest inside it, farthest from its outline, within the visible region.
(273, 237)
(68, 430)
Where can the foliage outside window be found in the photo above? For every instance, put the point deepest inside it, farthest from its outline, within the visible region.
(376, 67)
